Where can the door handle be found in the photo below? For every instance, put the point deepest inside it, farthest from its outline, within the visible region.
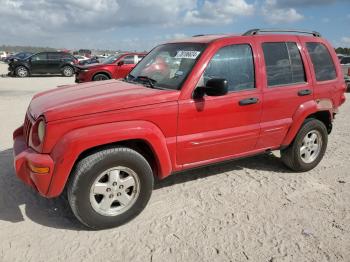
(248, 101)
(304, 92)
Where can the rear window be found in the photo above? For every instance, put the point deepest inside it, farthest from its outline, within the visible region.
(322, 61)
(284, 65)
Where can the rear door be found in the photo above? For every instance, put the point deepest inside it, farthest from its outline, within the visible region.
(54, 62)
(287, 86)
(38, 63)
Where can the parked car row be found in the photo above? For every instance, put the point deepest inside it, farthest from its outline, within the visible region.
(86, 69)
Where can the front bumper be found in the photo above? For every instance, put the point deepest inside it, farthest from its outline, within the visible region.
(23, 156)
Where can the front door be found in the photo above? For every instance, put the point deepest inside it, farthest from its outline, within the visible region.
(128, 63)
(38, 63)
(217, 128)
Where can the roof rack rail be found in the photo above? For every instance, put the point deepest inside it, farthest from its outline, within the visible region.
(257, 31)
(198, 35)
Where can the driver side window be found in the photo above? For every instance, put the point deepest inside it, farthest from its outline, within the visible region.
(39, 57)
(235, 64)
(129, 60)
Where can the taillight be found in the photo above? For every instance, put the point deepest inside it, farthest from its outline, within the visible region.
(349, 71)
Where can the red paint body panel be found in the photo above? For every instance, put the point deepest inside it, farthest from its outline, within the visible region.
(181, 131)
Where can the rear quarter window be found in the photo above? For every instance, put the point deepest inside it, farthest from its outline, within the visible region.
(284, 65)
(322, 61)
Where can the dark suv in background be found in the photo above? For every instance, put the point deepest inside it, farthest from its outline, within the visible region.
(44, 63)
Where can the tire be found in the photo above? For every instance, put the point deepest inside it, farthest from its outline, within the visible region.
(100, 77)
(95, 174)
(306, 151)
(67, 71)
(21, 71)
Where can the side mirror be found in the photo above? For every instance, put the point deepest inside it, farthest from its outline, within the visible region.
(120, 63)
(213, 87)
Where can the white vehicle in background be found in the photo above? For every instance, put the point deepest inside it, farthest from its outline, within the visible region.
(340, 56)
(3, 55)
(81, 58)
(345, 64)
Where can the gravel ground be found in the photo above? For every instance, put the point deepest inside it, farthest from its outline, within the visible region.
(246, 210)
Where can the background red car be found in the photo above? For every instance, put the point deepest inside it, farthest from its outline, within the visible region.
(114, 67)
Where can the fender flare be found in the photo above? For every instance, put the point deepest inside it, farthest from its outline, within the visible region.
(306, 109)
(67, 151)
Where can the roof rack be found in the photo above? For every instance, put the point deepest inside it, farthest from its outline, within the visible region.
(257, 31)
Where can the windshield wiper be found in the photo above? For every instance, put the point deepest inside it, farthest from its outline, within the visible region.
(149, 80)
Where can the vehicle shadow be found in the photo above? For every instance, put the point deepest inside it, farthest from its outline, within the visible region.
(17, 199)
(263, 162)
(18, 202)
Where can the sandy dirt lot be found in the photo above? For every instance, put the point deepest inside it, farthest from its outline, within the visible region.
(246, 210)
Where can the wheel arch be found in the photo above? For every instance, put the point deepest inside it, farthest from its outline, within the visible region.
(106, 73)
(144, 137)
(64, 65)
(321, 109)
(25, 66)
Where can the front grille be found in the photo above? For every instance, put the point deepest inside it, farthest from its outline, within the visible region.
(26, 128)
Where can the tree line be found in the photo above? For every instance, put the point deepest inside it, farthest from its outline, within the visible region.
(342, 50)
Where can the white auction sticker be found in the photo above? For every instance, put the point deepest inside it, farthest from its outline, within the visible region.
(187, 54)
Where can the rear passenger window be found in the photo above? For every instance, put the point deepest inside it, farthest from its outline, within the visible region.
(322, 61)
(54, 56)
(235, 64)
(284, 65)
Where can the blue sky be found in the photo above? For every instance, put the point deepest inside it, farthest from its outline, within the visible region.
(141, 24)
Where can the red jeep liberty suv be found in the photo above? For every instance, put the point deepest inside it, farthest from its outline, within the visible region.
(188, 103)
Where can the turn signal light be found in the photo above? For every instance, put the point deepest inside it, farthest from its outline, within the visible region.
(38, 170)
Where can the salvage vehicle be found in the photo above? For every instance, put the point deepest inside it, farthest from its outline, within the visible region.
(114, 67)
(218, 97)
(44, 63)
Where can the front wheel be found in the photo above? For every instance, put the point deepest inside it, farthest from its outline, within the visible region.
(110, 187)
(308, 147)
(21, 71)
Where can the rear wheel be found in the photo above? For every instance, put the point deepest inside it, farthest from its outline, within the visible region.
(100, 77)
(22, 71)
(308, 147)
(110, 187)
(67, 71)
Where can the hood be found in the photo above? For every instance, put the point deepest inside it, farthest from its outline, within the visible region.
(89, 66)
(95, 97)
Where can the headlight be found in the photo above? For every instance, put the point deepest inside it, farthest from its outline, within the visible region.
(41, 131)
(38, 132)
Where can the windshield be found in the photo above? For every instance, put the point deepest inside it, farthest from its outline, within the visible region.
(167, 66)
(111, 59)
